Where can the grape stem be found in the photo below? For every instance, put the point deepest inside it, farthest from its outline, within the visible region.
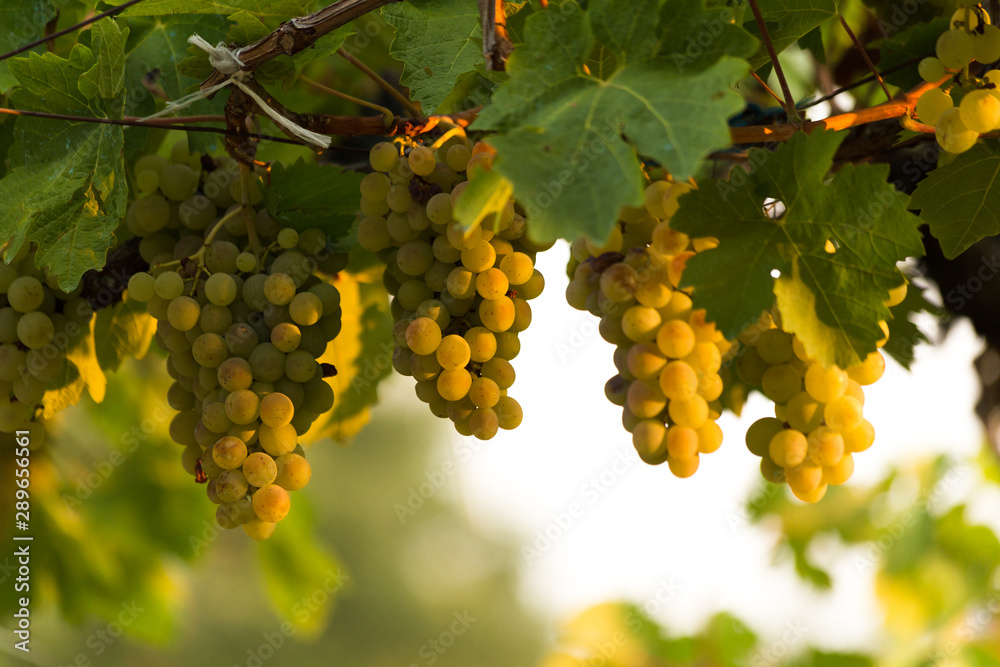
(199, 256)
(382, 83)
(246, 209)
(864, 54)
(389, 117)
(789, 105)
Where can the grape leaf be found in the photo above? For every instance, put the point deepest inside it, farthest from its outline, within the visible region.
(487, 194)
(155, 49)
(107, 77)
(857, 211)
(960, 201)
(437, 40)
(904, 334)
(245, 29)
(306, 194)
(66, 190)
(361, 353)
(81, 372)
(786, 21)
(21, 21)
(280, 9)
(562, 144)
(122, 331)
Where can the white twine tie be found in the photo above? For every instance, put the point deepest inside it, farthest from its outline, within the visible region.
(228, 62)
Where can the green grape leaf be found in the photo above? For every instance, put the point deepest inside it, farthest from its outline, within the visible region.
(296, 567)
(915, 41)
(904, 334)
(787, 21)
(960, 201)
(67, 189)
(437, 40)
(562, 144)
(21, 22)
(856, 213)
(361, 353)
(324, 47)
(81, 372)
(263, 9)
(307, 194)
(245, 29)
(155, 50)
(107, 77)
(122, 331)
(487, 194)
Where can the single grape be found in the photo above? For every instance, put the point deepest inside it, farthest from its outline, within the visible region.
(293, 472)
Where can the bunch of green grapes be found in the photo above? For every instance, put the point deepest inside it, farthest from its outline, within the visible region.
(970, 37)
(460, 296)
(244, 317)
(819, 423)
(669, 358)
(39, 323)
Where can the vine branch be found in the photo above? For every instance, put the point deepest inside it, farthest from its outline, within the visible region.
(299, 33)
(72, 28)
(864, 54)
(790, 109)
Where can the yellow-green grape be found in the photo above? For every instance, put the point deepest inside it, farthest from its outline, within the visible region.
(141, 287)
(375, 186)
(952, 134)
(209, 350)
(492, 284)
(859, 438)
(780, 383)
(415, 257)
(840, 472)
(484, 392)
(147, 215)
(147, 181)
(709, 437)
(300, 366)
(645, 361)
(423, 336)
(479, 257)
(276, 410)
(278, 440)
(25, 294)
(288, 238)
(804, 480)
(968, 18)
(678, 381)
(645, 400)
(508, 344)
(613, 243)
(843, 413)
(279, 289)
(383, 156)
(788, 448)
(980, 110)
(454, 385)
(305, 309)
(682, 444)
(453, 352)
(293, 472)
(760, 433)
(676, 339)
(825, 384)
(825, 447)
(421, 160)
(178, 182)
(509, 413)
(954, 49)
(286, 337)
(231, 485)
(497, 314)
(484, 423)
(257, 529)
(986, 45)
(649, 437)
(775, 346)
(931, 69)
(642, 324)
(868, 371)
(271, 503)
(500, 371)
(246, 262)
(691, 413)
(229, 452)
(482, 344)
(803, 412)
(35, 329)
(399, 198)
(932, 105)
(260, 469)
(242, 406)
(235, 374)
(517, 267)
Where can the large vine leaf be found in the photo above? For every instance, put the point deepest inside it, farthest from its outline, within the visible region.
(307, 194)
(361, 353)
(66, 190)
(787, 21)
(81, 372)
(277, 9)
(486, 195)
(21, 22)
(571, 132)
(107, 77)
(438, 41)
(856, 214)
(122, 331)
(960, 201)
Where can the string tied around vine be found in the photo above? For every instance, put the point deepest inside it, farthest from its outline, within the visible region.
(227, 61)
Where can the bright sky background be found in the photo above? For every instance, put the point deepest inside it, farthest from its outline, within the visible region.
(641, 534)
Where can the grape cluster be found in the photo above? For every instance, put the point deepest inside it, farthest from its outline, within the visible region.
(244, 317)
(460, 296)
(39, 323)
(970, 37)
(819, 423)
(668, 357)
